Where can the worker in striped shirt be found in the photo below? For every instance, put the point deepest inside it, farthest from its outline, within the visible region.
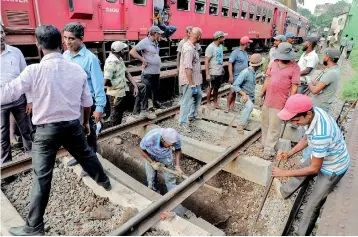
(329, 157)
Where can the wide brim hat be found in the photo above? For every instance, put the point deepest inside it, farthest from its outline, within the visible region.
(258, 63)
(285, 51)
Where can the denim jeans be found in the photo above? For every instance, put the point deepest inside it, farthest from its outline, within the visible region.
(152, 174)
(168, 30)
(48, 139)
(189, 104)
(17, 108)
(248, 107)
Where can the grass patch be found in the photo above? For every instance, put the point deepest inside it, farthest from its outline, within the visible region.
(349, 90)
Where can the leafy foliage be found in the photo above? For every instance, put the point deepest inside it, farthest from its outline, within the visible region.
(349, 90)
(325, 19)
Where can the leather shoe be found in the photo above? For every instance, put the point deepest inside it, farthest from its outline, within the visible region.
(72, 162)
(27, 231)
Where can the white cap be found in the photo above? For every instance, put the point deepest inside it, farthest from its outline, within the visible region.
(169, 135)
(118, 46)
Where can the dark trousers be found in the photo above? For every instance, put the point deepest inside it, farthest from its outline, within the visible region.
(48, 139)
(141, 101)
(152, 83)
(92, 138)
(17, 109)
(348, 53)
(341, 48)
(118, 105)
(323, 186)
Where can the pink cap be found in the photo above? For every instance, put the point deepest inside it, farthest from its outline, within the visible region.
(294, 105)
(245, 40)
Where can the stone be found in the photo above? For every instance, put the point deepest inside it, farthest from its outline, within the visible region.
(117, 141)
(100, 213)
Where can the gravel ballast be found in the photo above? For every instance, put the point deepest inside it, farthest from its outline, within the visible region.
(73, 208)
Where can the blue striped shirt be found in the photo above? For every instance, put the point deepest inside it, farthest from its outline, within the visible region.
(151, 144)
(327, 142)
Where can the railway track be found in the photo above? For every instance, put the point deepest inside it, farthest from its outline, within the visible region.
(151, 214)
(185, 189)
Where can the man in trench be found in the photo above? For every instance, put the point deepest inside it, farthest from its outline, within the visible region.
(157, 147)
(329, 159)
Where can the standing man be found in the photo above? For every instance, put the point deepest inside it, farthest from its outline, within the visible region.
(151, 62)
(245, 87)
(61, 89)
(190, 80)
(238, 61)
(290, 37)
(115, 78)
(78, 53)
(273, 51)
(12, 64)
(324, 88)
(350, 45)
(214, 67)
(344, 41)
(181, 43)
(329, 159)
(157, 149)
(282, 82)
(308, 63)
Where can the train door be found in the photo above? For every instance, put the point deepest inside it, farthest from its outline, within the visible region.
(112, 14)
(275, 22)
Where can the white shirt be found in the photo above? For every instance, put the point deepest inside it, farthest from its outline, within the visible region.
(12, 64)
(308, 60)
(58, 87)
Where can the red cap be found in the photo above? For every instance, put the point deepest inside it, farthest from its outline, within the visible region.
(294, 105)
(245, 40)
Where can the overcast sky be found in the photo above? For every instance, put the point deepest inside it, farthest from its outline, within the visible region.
(311, 4)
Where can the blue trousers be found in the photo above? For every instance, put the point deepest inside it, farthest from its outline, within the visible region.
(168, 30)
(152, 174)
(189, 104)
(248, 107)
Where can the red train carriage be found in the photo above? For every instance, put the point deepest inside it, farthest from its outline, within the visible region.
(129, 20)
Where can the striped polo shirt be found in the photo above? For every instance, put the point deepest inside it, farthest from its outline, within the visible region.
(327, 142)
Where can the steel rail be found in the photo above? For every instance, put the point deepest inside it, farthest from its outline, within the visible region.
(23, 164)
(144, 220)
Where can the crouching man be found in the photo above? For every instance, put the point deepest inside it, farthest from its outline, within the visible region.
(245, 85)
(329, 157)
(157, 148)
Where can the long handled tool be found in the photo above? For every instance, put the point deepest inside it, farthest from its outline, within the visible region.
(349, 109)
(230, 126)
(268, 187)
(165, 169)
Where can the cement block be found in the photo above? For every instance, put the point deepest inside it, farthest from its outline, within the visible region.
(283, 145)
(121, 195)
(9, 216)
(226, 118)
(251, 168)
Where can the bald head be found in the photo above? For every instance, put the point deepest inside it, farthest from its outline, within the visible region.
(195, 34)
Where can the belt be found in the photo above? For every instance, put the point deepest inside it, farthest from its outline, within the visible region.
(56, 123)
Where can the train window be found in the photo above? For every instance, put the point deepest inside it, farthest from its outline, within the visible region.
(244, 9)
(112, 1)
(264, 14)
(225, 8)
(269, 18)
(258, 13)
(236, 9)
(200, 6)
(214, 7)
(136, 2)
(183, 5)
(252, 12)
